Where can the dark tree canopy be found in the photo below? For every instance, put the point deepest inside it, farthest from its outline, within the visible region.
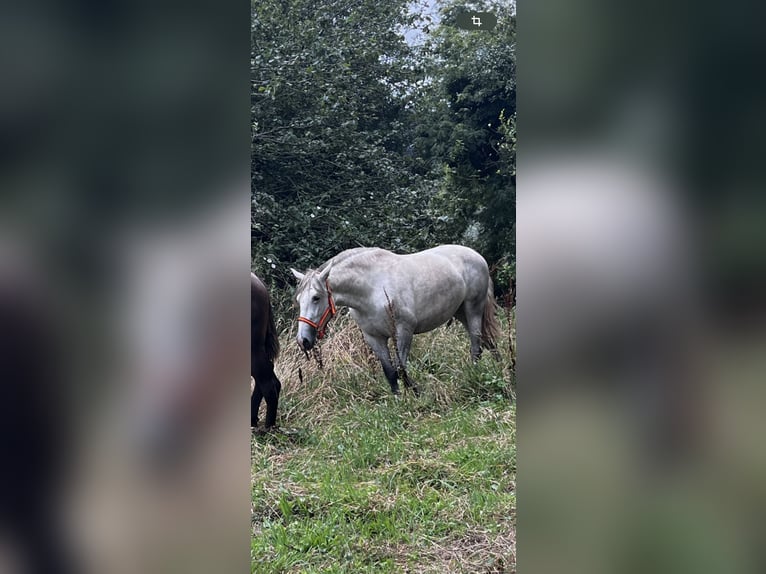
(361, 138)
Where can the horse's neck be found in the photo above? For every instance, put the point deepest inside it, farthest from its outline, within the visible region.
(347, 290)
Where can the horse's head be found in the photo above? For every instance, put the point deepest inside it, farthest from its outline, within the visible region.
(314, 298)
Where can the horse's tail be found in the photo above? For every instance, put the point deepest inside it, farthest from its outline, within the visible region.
(272, 337)
(490, 328)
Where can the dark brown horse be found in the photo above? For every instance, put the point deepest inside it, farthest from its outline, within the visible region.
(264, 348)
(34, 424)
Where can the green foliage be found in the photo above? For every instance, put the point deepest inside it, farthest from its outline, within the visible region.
(359, 138)
(330, 131)
(472, 130)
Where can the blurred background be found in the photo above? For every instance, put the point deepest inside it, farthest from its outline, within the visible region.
(124, 194)
(640, 259)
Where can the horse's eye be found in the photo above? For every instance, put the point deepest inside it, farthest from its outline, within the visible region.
(315, 298)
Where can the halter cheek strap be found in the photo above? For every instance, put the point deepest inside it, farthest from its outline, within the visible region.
(328, 314)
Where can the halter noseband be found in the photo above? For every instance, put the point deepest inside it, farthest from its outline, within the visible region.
(328, 314)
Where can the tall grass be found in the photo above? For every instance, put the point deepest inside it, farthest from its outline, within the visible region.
(360, 481)
(439, 363)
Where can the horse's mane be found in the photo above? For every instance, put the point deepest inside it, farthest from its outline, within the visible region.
(363, 254)
(347, 254)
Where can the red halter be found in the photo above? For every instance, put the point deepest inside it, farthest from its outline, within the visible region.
(328, 314)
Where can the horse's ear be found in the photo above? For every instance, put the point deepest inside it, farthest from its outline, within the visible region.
(298, 275)
(325, 272)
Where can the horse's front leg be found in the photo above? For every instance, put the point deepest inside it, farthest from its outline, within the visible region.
(403, 344)
(379, 346)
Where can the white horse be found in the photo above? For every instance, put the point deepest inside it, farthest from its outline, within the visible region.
(397, 296)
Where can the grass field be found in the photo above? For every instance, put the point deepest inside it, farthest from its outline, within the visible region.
(357, 480)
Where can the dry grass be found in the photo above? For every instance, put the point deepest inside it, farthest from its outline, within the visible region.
(439, 363)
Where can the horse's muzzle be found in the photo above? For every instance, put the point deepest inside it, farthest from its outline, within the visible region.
(305, 343)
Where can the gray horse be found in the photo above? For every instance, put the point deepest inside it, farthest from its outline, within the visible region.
(397, 296)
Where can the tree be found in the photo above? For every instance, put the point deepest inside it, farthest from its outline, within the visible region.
(331, 131)
(359, 138)
(468, 129)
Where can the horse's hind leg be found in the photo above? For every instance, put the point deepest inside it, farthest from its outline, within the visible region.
(271, 407)
(255, 404)
(471, 319)
(271, 396)
(267, 387)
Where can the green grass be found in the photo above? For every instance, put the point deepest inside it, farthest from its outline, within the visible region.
(360, 481)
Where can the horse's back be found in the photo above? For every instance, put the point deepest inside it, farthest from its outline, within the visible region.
(257, 287)
(354, 252)
(260, 302)
(451, 267)
(259, 298)
(467, 263)
(459, 254)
